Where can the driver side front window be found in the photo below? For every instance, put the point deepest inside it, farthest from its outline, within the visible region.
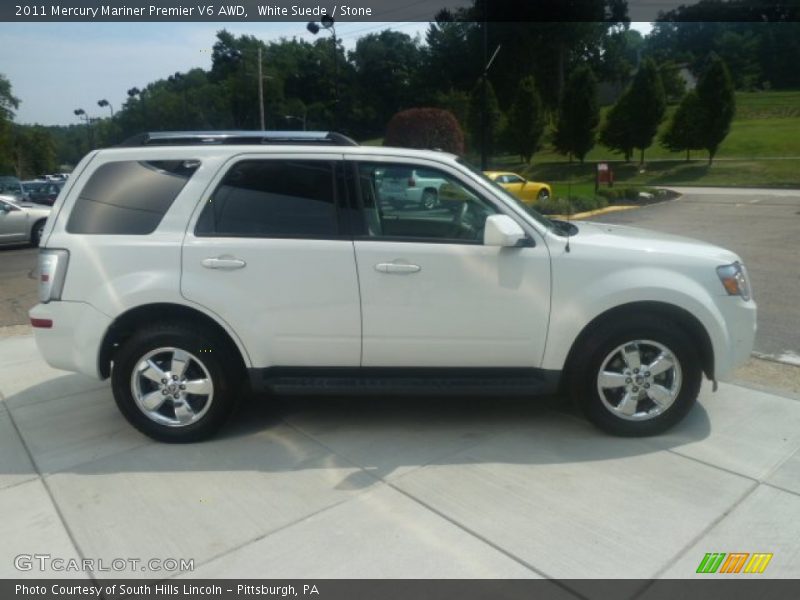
(407, 202)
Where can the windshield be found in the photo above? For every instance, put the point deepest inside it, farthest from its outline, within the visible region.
(537, 216)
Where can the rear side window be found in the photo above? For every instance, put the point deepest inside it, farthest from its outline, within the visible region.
(129, 197)
(273, 198)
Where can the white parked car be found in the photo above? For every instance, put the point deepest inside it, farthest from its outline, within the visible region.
(401, 187)
(183, 264)
(21, 222)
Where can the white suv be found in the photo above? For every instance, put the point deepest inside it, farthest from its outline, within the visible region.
(183, 264)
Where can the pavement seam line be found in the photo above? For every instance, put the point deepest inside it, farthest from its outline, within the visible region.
(717, 467)
(780, 488)
(33, 477)
(67, 396)
(779, 464)
(268, 534)
(424, 505)
(480, 537)
(52, 498)
(705, 531)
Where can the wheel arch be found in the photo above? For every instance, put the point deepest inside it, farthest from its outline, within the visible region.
(682, 318)
(126, 324)
(35, 224)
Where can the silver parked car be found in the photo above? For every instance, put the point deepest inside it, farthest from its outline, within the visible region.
(21, 222)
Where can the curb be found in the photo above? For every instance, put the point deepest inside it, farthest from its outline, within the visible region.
(597, 211)
(775, 359)
(8, 331)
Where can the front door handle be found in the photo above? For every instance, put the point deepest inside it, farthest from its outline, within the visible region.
(397, 268)
(223, 262)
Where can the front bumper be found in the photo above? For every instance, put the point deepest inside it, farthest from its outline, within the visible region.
(73, 341)
(740, 320)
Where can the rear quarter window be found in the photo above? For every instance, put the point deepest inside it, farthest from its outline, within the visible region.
(129, 197)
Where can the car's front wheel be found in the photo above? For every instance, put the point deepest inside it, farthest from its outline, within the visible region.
(430, 199)
(175, 383)
(543, 194)
(636, 379)
(36, 233)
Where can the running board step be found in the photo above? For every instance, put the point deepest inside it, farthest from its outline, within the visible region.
(335, 381)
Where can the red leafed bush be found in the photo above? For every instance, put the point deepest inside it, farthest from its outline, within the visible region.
(428, 128)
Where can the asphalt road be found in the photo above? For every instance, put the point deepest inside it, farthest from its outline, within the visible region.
(17, 285)
(761, 226)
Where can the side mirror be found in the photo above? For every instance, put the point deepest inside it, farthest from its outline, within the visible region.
(502, 230)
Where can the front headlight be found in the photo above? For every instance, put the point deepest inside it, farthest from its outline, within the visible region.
(734, 280)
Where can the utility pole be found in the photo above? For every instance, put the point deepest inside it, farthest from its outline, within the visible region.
(484, 154)
(260, 90)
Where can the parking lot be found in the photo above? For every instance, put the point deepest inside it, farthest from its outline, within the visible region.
(424, 488)
(418, 488)
(759, 225)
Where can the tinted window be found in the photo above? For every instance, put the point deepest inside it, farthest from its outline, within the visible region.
(273, 198)
(129, 197)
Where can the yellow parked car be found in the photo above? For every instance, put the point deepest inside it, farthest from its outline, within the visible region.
(527, 191)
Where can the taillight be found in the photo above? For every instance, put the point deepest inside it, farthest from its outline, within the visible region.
(52, 271)
(412, 182)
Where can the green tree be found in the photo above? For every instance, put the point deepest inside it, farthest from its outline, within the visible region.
(684, 130)
(618, 131)
(455, 101)
(647, 104)
(579, 115)
(526, 120)
(494, 117)
(717, 105)
(8, 104)
(385, 64)
(674, 85)
(33, 151)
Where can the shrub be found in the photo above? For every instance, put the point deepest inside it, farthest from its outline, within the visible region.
(571, 206)
(425, 128)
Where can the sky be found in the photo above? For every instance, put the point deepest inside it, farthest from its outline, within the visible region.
(55, 68)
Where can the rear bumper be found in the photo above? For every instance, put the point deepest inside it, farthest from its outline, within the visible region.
(73, 341)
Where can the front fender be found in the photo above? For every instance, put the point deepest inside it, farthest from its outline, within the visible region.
(579, 306)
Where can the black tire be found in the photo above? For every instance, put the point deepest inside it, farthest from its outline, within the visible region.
(213, 354)
(36, 233)
(543, 195)
(430, 199)
(586, 363)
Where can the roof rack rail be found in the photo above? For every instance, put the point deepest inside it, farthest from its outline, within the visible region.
(202, 138)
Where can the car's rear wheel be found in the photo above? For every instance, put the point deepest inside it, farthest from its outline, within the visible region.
(36, 233)
(175, 383)
(430, 199)
(543, 194)
(636, 379)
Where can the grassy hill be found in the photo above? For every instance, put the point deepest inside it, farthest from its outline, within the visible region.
(762, 149)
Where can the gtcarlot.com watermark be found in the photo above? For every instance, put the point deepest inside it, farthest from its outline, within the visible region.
(47, 563)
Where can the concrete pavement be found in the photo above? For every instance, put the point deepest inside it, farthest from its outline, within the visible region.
(425, 488)
(761, 226)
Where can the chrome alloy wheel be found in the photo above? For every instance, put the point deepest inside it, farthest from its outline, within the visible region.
(639, 380)
(172, 387)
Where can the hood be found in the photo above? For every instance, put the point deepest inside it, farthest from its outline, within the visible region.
(32, 207)
(647, 240)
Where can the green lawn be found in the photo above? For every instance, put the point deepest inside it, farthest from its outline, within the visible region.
(762, 149)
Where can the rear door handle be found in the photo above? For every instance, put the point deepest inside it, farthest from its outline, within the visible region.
(397, 268)
(223, 262)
